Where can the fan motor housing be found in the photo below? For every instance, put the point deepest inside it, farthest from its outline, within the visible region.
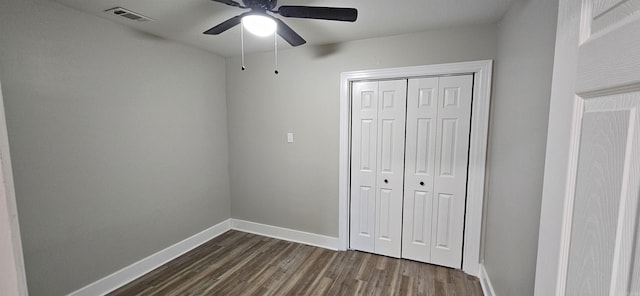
(262, 4)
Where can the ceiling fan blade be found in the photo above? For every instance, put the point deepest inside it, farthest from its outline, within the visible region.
(226, 25)
(289, 34)
(321, 13)
(229, 2)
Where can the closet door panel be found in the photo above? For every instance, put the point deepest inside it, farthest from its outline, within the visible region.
(409, 159)
(364, 165)
(452, 151)
(421, 115)
(391, 131)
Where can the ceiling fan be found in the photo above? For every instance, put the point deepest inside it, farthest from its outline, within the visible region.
(265, 24)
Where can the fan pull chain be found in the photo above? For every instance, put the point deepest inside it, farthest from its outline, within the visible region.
(275, 37)
(242, 44)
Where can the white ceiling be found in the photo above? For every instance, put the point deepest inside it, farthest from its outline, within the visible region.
(185, 20)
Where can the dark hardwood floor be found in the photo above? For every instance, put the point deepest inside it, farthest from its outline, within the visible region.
(238, 263)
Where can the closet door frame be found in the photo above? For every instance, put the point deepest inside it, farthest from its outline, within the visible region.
(471, 259)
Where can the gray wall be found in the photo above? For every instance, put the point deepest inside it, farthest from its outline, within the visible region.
(296, 185)
(118, 142)
(13, 280)
(519, 115)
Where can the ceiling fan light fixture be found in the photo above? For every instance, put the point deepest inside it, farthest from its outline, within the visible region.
(259, 25)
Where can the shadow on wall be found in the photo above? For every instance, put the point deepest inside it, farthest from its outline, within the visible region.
(143, 35)
(326, 50)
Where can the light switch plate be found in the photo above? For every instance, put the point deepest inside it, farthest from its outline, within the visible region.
(289, 137)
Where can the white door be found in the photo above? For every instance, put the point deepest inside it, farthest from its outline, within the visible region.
(377, 160)
(391, 131)
(591, 246)
(422, 113)
(364, 122)
(438, 125)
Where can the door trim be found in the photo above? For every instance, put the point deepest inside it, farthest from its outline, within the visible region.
(477, 147)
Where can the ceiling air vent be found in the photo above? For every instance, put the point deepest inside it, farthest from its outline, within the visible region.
(128, 14)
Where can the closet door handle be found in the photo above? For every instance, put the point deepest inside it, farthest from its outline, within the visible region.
(421, 183)
(386, 181)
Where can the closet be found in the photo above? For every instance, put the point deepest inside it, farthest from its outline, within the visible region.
(409, 155)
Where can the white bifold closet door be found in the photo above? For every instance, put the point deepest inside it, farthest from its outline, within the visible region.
(377, 166)
(438, 125)
(410, 203)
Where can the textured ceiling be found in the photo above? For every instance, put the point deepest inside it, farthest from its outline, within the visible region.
(185, 20)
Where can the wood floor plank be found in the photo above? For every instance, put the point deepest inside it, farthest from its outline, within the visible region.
(238, 263)
(323, 266)
(259, 277)
(321, 288)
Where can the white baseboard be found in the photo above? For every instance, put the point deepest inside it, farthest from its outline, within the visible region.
(135, 270)
(485, 282)
(297, 236)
